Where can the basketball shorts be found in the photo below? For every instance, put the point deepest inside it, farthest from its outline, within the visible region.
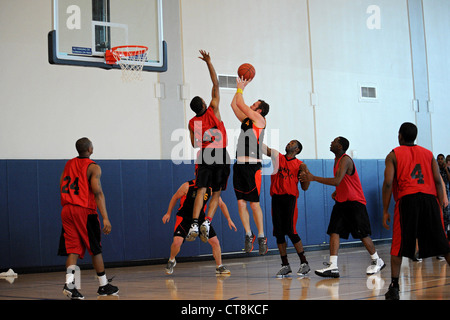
(80, 231)
(418, 217)
(350, 217)
(284, 215)
(184, 221)
(247, 181)
(212, 174)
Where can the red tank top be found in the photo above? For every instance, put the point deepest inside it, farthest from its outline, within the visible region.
(414, 173)
(209, 132)
(75, 187)
(285, 180)
(350, 188)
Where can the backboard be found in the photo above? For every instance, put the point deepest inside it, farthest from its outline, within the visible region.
(84, 29)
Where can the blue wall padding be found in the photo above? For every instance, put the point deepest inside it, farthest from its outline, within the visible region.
(137, 195)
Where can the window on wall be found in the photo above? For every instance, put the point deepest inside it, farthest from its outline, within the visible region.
(101, 12)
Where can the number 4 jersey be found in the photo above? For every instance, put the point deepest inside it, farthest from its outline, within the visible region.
(75, 187)
(414, 173)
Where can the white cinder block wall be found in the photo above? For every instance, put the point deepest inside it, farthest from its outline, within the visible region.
(328, 47)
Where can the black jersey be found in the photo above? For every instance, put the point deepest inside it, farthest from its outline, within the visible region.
(250, 140)
(187, 201)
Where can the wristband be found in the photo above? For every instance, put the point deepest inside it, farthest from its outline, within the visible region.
(239, 90)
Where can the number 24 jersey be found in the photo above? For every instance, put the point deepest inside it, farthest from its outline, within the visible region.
(75, 187)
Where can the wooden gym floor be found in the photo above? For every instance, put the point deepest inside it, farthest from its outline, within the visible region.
(252, 278)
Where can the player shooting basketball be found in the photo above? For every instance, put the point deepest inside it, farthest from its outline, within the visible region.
(247, 169)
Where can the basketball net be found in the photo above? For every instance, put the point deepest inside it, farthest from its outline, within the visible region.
(131, 60)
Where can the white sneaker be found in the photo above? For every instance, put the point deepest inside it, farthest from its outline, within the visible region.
(193, 232)
(331, 271)
(204, 231)
(376, 266)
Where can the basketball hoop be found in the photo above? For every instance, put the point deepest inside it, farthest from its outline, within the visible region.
(131, 60)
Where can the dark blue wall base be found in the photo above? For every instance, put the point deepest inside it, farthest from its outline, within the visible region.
(137, 195)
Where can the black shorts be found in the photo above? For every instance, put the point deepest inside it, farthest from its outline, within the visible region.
(247, 181)
(284, 215)
(184, 221)
(418, 217)
(212, 174)
(350, 217)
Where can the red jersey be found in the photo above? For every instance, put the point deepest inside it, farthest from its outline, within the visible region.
(414, 173)
(75, 187)
(350, 188)
(285, 180)
(209, 132)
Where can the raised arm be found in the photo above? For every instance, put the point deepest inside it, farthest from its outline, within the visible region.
(237, 112)
(244, 109)
(215, 94)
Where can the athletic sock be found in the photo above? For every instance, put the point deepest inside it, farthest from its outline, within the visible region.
(284, 260)
(249, 234)
(209, 219)
(102, 280)
(260, 235)
(374, 256)
(195, 221)
(333, 260)
(302, 257)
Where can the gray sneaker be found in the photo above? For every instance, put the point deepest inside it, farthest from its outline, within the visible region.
(249, 240)
(263, 248)
(222, 270)
(284, 271)
(304, 269)
(170, 265)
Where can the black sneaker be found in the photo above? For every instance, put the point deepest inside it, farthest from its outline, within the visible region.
(393, 293)
(73, 293)
(107, 290)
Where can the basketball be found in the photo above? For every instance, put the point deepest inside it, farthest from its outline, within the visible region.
(246, 71)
